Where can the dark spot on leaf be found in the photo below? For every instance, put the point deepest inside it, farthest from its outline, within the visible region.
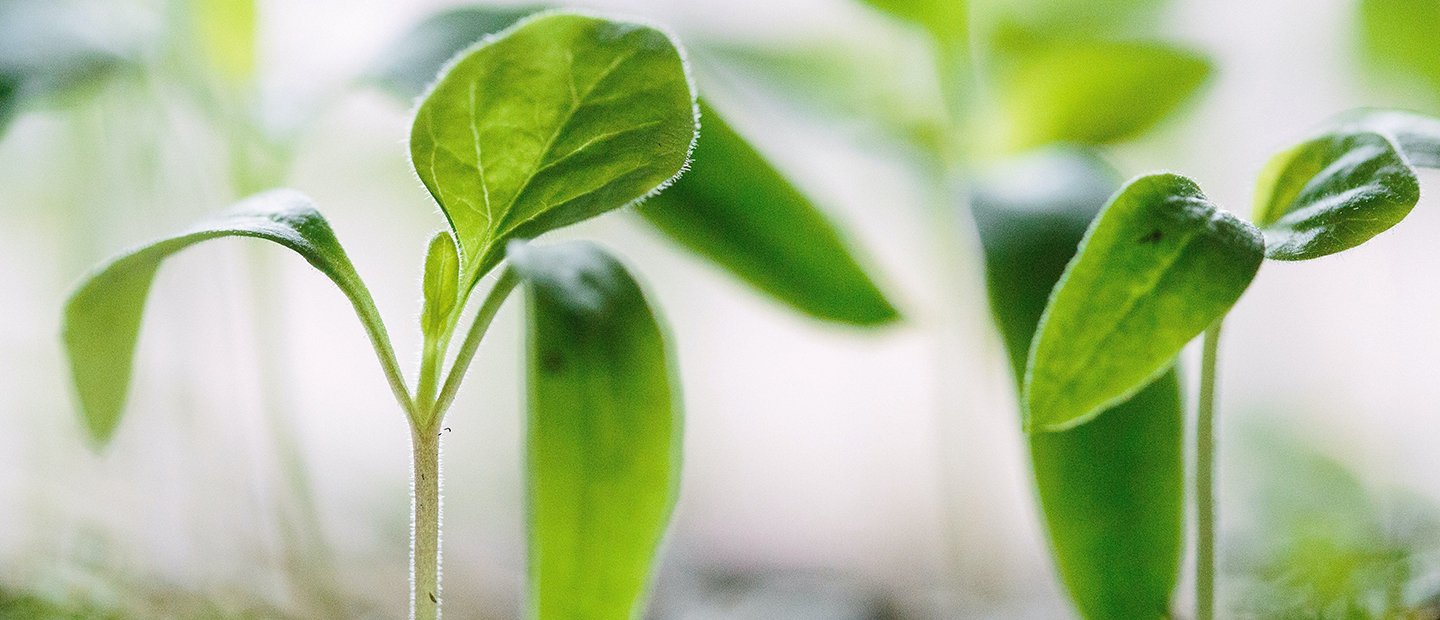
(432, 597)
(1154, 237)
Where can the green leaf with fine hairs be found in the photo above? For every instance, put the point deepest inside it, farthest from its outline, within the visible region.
(1092, 91)
(441, 286)
(1417, 135)
(1333, 193)
(411, 63)
(1112, 490)
(604, 432)
(102, 316)
(946, 20)
(740, 212)
(1398, 37)
(1158, 266)
(559, 118)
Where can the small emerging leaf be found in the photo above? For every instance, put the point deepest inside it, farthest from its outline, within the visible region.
(1093, 92)
(558, 119)
(441, 285)
(1158, 266)
(1111, 490)
(1417, 135)
(737, 210)
(1333, 193)
(102, 317)
(604, 433)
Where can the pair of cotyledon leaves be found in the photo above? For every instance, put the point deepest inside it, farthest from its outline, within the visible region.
(559, 118)
(1162, 263)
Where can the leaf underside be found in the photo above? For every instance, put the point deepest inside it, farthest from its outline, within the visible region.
(1159, 265)
(1333, 193)
(1112, 490)
(604, 432)
(737, 210)
(103, 316)
(558, 119)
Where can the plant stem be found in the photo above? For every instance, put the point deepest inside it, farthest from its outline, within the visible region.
(425, 529)
(1205, 478)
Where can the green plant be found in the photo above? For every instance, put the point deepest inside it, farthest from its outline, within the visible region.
(561, 117)
(1061, 73)
(1161, 264)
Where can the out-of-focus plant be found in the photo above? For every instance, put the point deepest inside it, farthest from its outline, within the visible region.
(1061, 73)
(1162, 264)
(1321, 543)
(46, 54)
(560, 118)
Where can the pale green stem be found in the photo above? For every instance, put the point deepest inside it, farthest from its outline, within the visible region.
(483, 317)
(1205, 479)
(425, 530)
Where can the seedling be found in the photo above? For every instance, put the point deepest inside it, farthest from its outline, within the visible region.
(559, 118)
(1161, 264)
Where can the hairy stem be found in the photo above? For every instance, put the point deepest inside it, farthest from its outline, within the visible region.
(425, 529)
(1205, 479)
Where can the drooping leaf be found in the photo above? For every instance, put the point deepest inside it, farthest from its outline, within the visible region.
(1112, 490)
(102, 317)
(1417, 135)
(1158, 266)
(226, 32)
(604, 433)
(441, 285)
(1089, 91)
(414, 60)
(1333, 193)
(737, 210)
(1398, 36)
(946, 20)
(558, 119)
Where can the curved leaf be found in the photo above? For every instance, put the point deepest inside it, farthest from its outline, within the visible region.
(558, 119)
(737, 210)
(1158, 266)
(1333, 193)
(1112, 491)
(604, 433)
(1417, 135)
(413, 61)
(1093, 92)
(102, 317)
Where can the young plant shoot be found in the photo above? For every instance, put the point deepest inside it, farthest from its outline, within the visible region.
(1161, 264)
(559, 118)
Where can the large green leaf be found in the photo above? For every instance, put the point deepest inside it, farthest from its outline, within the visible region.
(1112, 490)
(1092, 92)
(737, 210)
(1399, 36)
(413, 61)
(1159, 265)
(1417, 135)
(558, 119)
(1333, 193)
(604, 433)
(102, 317)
